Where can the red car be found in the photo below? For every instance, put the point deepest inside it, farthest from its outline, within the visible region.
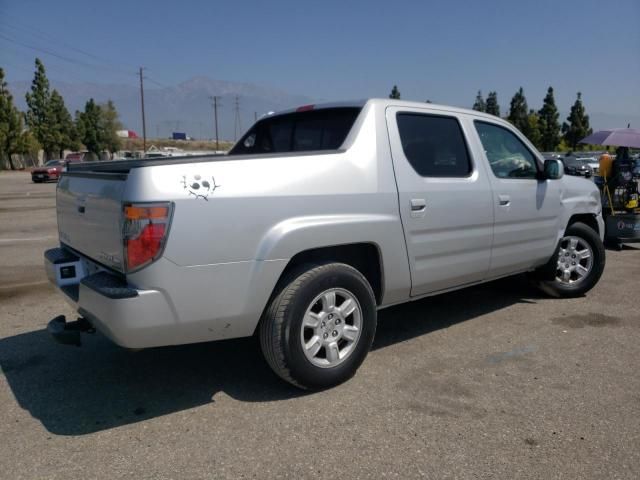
(49, 171)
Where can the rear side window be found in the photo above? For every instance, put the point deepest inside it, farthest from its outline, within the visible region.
(434, 145)
(324, 129)
(507, 155)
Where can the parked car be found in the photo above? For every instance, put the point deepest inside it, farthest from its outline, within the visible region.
(317, 218)
(593, 162)
(51, 170)
(78, 157)
(577, 166)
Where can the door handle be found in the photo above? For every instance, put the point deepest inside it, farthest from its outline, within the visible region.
(418, 207)
(504, 200)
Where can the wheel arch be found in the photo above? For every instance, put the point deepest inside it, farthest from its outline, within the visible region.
(588, 219)
(366, 257)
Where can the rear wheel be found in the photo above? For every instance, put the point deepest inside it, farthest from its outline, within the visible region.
(318, 329)
(579, 263)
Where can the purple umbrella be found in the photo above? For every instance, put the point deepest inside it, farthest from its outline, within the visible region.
(619, 137)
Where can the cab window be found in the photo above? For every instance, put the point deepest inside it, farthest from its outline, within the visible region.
(434, 145)
(323, 129)
(507, 155)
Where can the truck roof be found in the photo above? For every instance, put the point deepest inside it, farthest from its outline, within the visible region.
(384, 102)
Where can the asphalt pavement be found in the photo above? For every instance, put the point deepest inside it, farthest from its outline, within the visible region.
(496, 381)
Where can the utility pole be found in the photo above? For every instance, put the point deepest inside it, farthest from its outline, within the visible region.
(255, 117)
(237, 127)
(144, 126)
(215, 118)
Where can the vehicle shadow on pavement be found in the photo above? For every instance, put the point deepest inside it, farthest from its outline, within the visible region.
(412, 319)
(78, 391)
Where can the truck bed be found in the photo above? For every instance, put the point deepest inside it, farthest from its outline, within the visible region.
(124, 166)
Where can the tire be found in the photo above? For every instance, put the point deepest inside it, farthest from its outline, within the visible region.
(301, 313)
(577, 264)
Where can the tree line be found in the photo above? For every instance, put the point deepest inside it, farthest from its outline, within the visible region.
(541, 127)
(47, 124)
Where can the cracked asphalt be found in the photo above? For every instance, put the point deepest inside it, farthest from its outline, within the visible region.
(496, 381)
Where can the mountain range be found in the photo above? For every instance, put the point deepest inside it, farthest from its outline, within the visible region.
(187, 107)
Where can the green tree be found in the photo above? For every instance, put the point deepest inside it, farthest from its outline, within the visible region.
(64, 131)
(38, 115)
(480, 104)
(533, 128)
(110, 125)
(549, 124)
(518, 111)
(28, 147)
(577, 125)
(10, 124)
(492, 106)
(395, 93)
(89, 127)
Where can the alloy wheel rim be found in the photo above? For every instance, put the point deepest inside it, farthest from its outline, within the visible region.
(575, 260)
(331, 327)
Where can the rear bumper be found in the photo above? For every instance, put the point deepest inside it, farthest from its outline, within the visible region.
(186, 304)
(43, 176)
(130, 317)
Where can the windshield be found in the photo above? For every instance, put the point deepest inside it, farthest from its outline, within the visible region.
(53, 163)
(324, 129)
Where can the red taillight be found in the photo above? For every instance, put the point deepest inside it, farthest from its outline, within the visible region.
(305, 108)
(145, 230)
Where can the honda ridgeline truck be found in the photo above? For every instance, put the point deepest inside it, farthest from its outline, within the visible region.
(317, 218)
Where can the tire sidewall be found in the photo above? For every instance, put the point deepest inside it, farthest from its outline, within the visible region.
(598, 252)
(302, 370)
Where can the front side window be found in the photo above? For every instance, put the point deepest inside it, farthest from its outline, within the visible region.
(507, 155)
(434, 145)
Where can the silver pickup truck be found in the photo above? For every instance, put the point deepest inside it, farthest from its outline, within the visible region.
(317, 218)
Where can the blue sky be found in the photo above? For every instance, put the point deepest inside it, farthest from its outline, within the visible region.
(439, 50)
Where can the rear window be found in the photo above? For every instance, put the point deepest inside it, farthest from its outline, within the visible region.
(324, 129)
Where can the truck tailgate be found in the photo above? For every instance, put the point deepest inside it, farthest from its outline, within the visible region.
(89, 208)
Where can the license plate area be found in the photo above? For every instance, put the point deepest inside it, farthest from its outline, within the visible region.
(69, 273)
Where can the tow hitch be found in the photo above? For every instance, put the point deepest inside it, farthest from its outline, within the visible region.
(68, 333)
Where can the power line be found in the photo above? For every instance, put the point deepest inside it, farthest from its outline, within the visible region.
(18, 27)
(156, 82)
(76, 61)
(19, 62)
(73, 61)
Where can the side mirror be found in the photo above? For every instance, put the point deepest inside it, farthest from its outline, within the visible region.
(553, 169)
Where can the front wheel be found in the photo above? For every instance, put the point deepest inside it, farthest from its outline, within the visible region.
(318, 329)
(579, 263)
